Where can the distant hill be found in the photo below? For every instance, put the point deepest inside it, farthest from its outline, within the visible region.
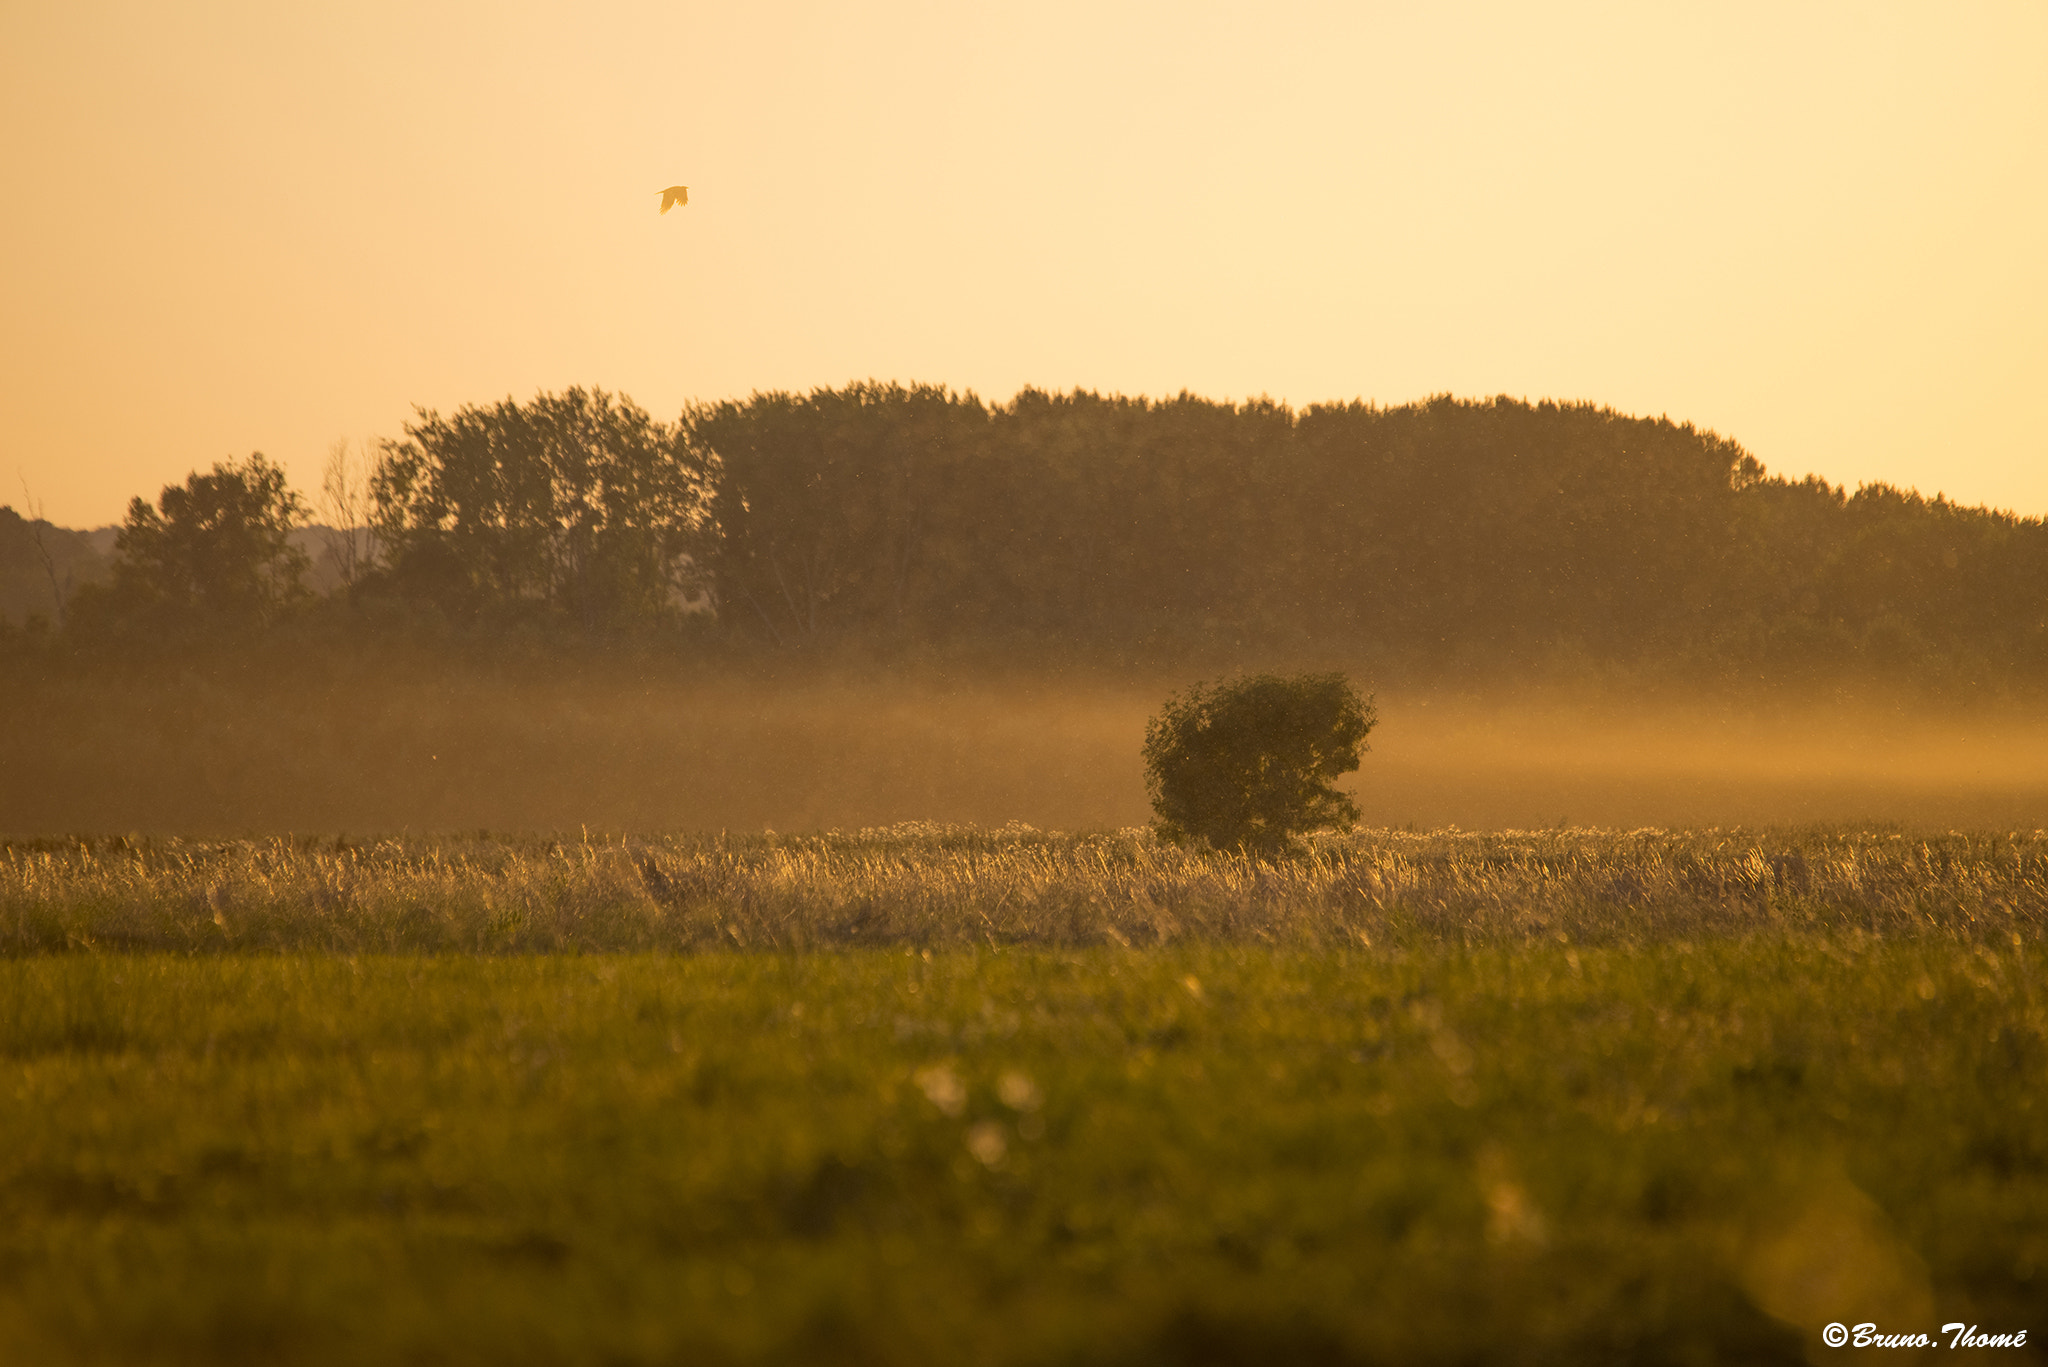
(42, 565)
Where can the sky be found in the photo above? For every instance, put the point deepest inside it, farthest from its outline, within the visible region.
(1819, 229)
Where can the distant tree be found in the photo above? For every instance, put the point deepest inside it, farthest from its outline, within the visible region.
(345, 507)
(848, 511)
(1493, 529)
(1247, 765)
(577, 504)
(215, 548)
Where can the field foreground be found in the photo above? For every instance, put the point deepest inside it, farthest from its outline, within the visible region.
(934, 1095)
(1686, 1152)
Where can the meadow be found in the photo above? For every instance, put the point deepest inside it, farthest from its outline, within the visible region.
(933, 886)
(939, 1094)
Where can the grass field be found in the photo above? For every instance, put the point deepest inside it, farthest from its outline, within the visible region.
(933, 886)
(931, 1096)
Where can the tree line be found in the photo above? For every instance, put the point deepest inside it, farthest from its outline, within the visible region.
(883, 514)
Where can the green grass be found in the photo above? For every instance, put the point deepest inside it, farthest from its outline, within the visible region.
(1659, 1148)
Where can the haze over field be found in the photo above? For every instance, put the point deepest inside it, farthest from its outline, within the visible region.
(463, 754)
(236, 226)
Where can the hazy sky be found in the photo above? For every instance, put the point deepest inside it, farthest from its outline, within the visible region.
(1819, 229)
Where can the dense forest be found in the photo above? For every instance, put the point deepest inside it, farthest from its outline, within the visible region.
(1449, 533)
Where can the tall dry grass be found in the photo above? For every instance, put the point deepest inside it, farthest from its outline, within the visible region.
(927, 885)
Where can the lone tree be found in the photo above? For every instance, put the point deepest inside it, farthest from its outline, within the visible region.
(1247, 765)
(216, 549)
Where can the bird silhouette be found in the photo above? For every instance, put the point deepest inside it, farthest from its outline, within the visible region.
(674, 195)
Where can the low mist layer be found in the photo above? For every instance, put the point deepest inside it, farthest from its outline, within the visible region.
(236, 755)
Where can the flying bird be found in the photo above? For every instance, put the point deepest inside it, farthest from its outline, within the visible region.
(674, 195)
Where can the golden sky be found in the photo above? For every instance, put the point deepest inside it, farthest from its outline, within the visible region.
(1821, 229)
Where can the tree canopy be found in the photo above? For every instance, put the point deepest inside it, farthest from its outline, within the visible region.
(1449, 529)
(1450, 533)
(575, 504)
(212, 552)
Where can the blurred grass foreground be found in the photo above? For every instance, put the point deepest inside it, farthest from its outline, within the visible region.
(931, 1095)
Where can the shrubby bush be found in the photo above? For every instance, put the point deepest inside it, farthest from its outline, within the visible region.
(1247, 765)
